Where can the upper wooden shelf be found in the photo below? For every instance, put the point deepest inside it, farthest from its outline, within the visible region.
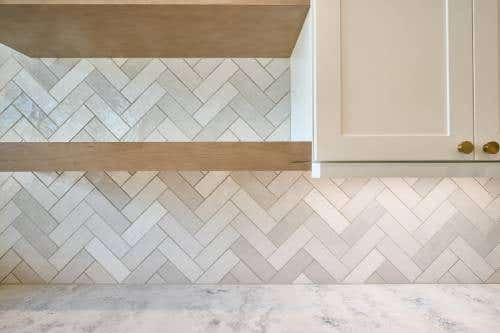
(152, 28)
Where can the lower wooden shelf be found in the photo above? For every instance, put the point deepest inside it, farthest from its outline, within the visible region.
(230, 156)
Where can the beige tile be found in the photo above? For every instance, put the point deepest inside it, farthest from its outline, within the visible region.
(290, 199)
(288, 249)
(253, 211)
(144, 223)
(108, 261)
(399, 235)
(326, 211)
(399, 259)
(253, 235)
(182, 189)
(365, 268)
(143, 199)
(180, 235)
(217, 247)
(438, 268)
(219, 269)
(322, 231)
(292, 269)
(326, 259)
(254, 188)
(217, 199)
(38, 263)
(71, 199)
(180, 259)
(473, 260)
(363, 247)
(435, 198)
(253, 259)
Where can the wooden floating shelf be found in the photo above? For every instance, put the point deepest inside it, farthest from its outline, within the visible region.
(152, 28)
(230, 156)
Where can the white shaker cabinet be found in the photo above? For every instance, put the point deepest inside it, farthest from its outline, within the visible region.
(487, 79)
(392, 87)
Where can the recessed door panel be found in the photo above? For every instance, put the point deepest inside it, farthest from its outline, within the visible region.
(393, 79)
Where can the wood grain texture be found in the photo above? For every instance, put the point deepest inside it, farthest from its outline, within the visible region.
(155, 156)
(169, 28)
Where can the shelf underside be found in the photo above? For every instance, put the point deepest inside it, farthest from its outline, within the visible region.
(170, 28)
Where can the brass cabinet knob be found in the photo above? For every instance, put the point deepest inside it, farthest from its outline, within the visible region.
(491, 148)
(466, 147)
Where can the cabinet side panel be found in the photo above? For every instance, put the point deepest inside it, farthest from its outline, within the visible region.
(301, 65)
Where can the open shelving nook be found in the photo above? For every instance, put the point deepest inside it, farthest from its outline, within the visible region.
(153, 29)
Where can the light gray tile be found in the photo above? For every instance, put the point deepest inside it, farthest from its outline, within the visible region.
(104, 257)
(180, 117)
(280, 87)
(35, 91)
(216, 127)
(253, 118)
(75, 268)
(249, 90)
(107, 236)
(179, 92)
(107, 92)
(71, 199)
(8, 95)
(290, 223)
(71, 103)
(7, 119)
(31, 208)
(144, 223)
(37, 70)
(71, 223)
(142, 249)
(107, 116)
(72, 126)
(38, 263)
(71, 248)
(322, 231)
(143, 80)
(35, 115)
(38, 239)
(143, 128)
(109, 188)
(255, 261)
(215, 80)
(71, 80)
(292, 269)
(145, 197)
(107, 211)
(147, 268)
(182, 189)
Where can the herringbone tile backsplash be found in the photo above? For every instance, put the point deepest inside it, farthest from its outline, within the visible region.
(215, 227)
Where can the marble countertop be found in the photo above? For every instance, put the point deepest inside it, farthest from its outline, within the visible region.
(416, 308)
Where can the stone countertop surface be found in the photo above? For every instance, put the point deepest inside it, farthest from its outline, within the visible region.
(382, 308)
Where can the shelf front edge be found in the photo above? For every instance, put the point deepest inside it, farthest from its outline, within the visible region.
(186, 156)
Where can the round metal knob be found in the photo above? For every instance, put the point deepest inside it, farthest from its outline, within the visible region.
(491, 148)
(466, 147)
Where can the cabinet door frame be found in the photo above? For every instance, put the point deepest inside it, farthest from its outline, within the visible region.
(329, 142)
(487, 76)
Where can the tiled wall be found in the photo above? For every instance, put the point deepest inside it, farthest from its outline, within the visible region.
(143, 99)
(215, 227)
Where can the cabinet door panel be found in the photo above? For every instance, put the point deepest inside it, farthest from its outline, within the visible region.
(393, 80)
(487, 71)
